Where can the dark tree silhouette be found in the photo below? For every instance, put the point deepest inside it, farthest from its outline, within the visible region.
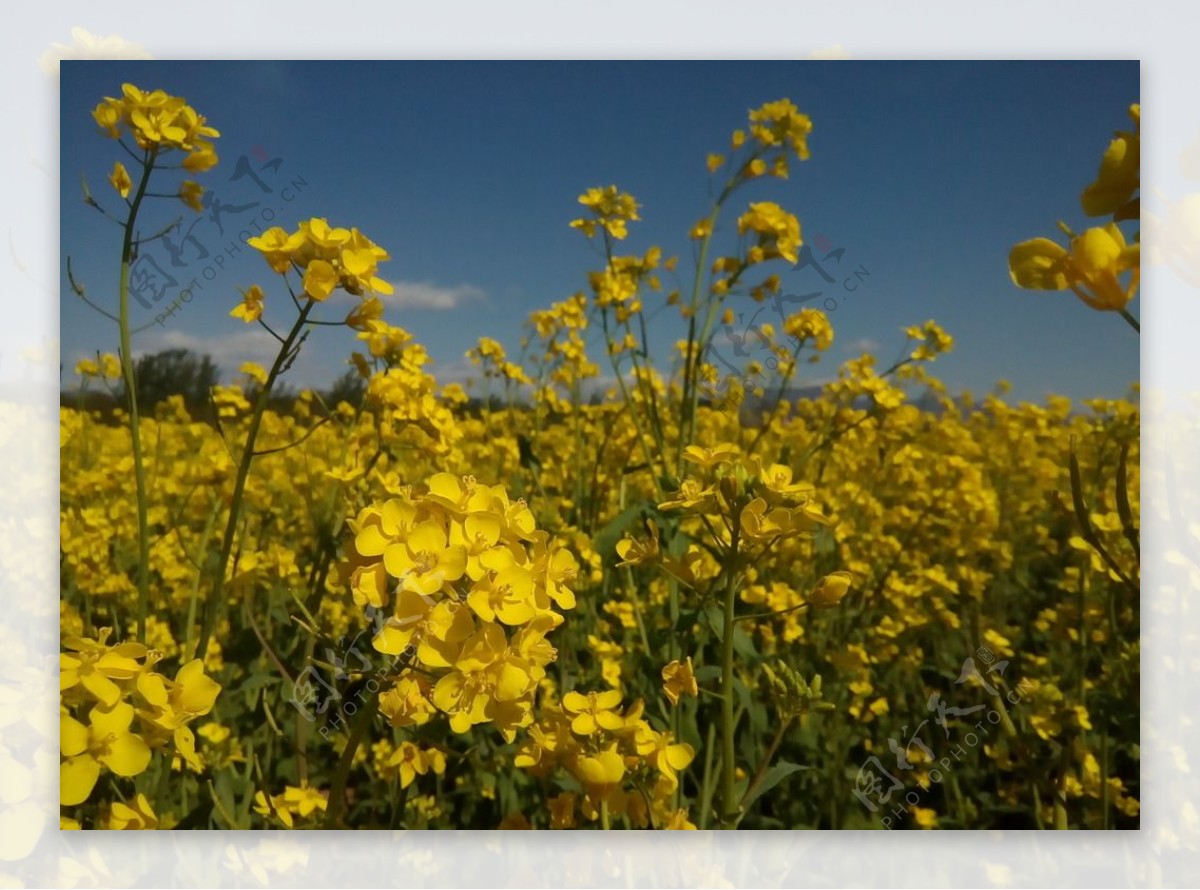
(175, 372)
(347, 388)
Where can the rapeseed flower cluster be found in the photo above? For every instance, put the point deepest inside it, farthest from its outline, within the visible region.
(104, 690)
(471, 589)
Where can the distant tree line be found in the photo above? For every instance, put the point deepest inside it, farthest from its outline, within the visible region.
(181, 372)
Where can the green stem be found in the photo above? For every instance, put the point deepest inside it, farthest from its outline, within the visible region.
(692, 357)
(195, 593)
(729, 806)
(631, 408)
(706, 787)
(337, 789)
(1133, 322)
(139, 470)
(761, 772)
(239, 486)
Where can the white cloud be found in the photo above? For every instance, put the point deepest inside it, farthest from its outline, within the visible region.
(426, 295)
(457, 372)
(858, 347)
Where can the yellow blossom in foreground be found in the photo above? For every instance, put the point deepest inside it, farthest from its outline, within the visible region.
(105, 741)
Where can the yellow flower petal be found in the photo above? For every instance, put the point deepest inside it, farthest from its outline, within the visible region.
(76, 779)
(1038, 264)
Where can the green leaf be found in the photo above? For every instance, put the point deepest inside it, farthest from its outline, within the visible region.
(742, 692)
(743, 644)
(774, 776)
(715, 616)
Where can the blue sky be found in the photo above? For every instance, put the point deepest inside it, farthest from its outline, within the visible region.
(926, 173)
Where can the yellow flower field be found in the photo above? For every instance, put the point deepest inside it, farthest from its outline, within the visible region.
(694, 600)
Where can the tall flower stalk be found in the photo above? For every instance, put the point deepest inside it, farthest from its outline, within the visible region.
(326, 259)
(158, 124)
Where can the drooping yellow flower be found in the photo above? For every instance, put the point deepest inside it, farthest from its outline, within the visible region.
(368, 310)
(108, 116)
(1119, 176)
(119, 178)
(1092, 268)
(250, 309)
(192, 194)
(201, 158)
(678, 680)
